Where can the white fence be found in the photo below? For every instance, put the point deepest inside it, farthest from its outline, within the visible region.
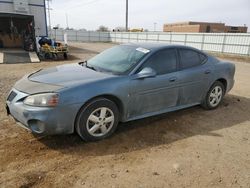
(230, 43)
(81, 36)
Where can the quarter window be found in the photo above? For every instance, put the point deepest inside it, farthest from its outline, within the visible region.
(162, 62)
(190, 58)
(203, 57)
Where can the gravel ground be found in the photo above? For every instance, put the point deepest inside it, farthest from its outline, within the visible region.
(188, 148)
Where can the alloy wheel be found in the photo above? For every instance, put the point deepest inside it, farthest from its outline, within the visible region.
(100, 122)
(215, 96)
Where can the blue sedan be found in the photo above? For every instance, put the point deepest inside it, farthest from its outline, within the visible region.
(124, 83)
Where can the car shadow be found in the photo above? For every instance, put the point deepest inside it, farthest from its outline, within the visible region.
(158, 130)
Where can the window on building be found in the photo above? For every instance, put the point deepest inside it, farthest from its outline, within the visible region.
(234, 28)
(208, 29)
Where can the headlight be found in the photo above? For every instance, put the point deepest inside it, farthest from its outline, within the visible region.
(43, 100)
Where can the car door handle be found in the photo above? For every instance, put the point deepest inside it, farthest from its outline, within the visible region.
(207, 71)
(173, 79)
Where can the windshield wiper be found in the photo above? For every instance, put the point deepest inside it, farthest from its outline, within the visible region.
(86, 65)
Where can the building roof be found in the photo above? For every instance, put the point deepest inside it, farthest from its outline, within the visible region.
(194, 23)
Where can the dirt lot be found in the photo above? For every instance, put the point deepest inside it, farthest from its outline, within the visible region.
(188, 148)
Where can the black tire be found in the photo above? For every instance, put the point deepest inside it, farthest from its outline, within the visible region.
(206, 103)
(55, 56)
(82, 120)
(65, 56)
(47, 56)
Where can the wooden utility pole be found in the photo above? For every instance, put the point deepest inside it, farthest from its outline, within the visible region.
(49, 9)
(126, 15)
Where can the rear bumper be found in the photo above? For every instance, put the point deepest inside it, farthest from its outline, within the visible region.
(42, 120)
(230, 85)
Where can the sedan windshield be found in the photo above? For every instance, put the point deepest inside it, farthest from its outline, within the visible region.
(118, 59)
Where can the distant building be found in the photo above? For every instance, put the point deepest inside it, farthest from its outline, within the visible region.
(119, 29)
(203, 27)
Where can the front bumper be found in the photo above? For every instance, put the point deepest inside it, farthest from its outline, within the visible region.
(42, 120)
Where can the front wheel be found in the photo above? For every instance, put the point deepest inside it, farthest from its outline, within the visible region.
(97, 120)
(214, 96)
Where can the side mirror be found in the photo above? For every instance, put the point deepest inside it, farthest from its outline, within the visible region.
(146, 72)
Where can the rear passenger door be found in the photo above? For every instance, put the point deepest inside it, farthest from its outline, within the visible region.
(194, 76)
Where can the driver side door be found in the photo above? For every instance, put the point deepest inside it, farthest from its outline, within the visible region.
(158, 93)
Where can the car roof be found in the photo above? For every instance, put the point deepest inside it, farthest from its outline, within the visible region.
(157, 46)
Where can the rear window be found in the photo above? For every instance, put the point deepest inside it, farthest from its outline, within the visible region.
(190, 58)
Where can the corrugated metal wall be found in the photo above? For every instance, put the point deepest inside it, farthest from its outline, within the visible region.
(35, 8)
(230, 43)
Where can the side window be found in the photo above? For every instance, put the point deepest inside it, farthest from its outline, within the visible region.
(162, 62)
(189, 58)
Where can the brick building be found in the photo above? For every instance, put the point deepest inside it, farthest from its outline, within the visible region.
(203, 27)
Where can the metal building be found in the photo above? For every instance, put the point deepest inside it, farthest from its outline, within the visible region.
(20, 22)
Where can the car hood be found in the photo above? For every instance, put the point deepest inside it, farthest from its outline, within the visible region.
(67, 75)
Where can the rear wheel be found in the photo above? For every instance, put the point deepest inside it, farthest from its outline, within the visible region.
(97, 120)
(214, 96)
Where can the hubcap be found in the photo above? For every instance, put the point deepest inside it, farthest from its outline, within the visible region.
(215, 96)
(100, 122)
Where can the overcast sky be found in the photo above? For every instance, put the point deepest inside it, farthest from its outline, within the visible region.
(90, 14)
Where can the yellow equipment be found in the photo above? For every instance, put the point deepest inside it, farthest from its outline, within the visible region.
(53, 52)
